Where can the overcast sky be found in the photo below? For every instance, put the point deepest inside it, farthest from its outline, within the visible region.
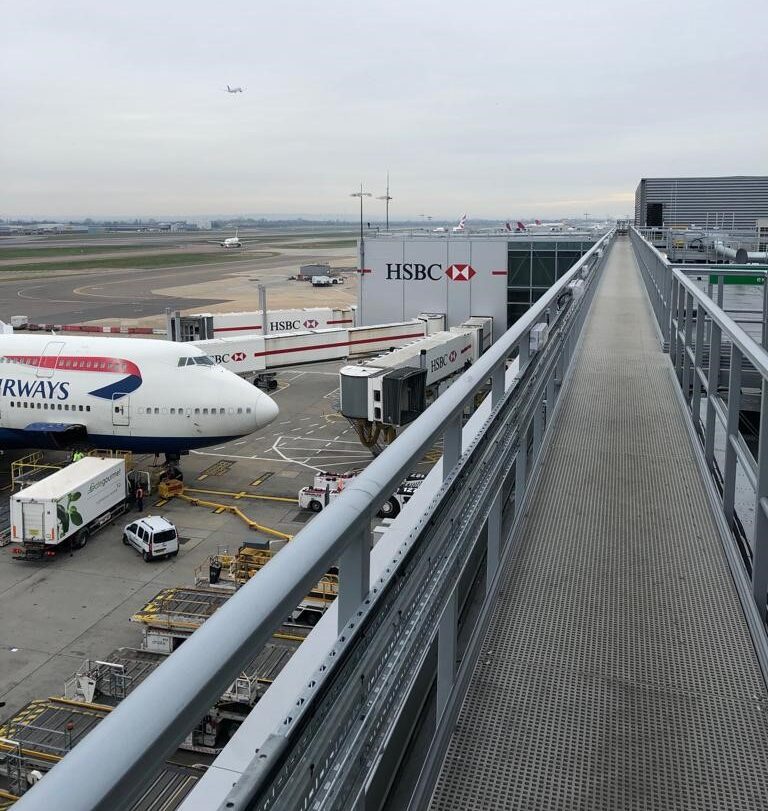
(499, 109)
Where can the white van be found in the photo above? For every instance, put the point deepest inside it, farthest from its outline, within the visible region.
(153, 536)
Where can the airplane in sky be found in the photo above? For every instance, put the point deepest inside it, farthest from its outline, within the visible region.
(457, 229)
(234, 89)
(146, 396)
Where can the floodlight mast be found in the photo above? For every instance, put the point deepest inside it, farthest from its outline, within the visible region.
(387, 198)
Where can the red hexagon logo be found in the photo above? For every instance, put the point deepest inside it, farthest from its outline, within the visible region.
(238, 356)
(452, 357)
(310, 323)
(460, 273)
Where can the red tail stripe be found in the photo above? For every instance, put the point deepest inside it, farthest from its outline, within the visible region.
(72, 363)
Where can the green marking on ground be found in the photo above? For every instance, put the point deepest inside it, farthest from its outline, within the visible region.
(331, 243)
(41, 253)
(157, 261)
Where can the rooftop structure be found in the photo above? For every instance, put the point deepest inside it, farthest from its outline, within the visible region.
(703, 202)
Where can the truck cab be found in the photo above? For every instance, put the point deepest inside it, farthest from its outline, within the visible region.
(153, 536)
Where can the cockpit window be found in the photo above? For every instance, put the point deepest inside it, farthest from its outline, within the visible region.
(196, 360)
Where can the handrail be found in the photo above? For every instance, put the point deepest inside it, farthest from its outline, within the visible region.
(107, 770)
(695, 329)
(751, 350)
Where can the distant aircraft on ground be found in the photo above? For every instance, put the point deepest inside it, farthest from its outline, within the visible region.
(234, 89)
(538, 225)
(229, 242)
(457, 229)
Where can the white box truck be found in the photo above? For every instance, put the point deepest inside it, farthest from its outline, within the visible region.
(64, 509)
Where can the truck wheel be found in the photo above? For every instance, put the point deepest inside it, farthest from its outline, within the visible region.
(145, 555)
(81, 539)
(173, 554)
(125, 539)
(389, 509)
(315, 506)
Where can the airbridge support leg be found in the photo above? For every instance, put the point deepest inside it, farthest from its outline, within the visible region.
(354, 579)
(446, 652)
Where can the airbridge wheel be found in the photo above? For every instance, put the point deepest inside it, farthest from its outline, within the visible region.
(390, 508)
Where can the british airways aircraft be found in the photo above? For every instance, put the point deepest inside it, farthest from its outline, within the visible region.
(148, 396)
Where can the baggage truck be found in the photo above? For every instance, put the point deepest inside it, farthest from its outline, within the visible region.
(64, 509)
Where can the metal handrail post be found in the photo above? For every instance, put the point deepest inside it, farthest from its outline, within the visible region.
(731, 432)
(760, 543)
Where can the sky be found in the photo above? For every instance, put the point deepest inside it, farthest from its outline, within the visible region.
(496, 109)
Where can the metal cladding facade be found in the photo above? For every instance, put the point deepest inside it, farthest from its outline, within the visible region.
(726, 202)
(462, 276)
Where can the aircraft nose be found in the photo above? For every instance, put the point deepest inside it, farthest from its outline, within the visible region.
(265, 410)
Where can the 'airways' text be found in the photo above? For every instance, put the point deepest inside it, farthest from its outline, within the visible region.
(44, 389)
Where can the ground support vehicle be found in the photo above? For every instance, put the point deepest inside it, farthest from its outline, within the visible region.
(64, 509)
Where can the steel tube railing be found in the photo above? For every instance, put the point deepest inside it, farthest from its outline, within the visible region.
(700, 335)
(108, 769)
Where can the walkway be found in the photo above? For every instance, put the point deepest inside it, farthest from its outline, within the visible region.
(617, 671)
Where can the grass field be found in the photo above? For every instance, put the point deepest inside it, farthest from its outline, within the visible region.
(331, 243)
(41, 253)
(158, 261)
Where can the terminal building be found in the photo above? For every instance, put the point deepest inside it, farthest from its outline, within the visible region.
(706, 202)
(463, 276)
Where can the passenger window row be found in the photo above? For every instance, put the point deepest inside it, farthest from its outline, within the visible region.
(197, 411)
(50, 406)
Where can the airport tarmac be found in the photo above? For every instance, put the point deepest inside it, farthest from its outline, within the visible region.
(77, 606)
(141, 294)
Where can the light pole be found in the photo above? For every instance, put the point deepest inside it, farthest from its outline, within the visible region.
(387, 198)
(361, 194)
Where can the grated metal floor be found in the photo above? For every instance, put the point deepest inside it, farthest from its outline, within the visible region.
(617, 671)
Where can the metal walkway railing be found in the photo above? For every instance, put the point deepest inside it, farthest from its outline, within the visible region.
(395, 634)
(718, 365)
(616, 669)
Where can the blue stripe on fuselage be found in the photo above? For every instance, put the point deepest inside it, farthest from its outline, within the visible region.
(117, 390)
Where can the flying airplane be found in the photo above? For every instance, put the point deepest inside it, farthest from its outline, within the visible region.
(457, 229)
(234, 89)
(147, 396)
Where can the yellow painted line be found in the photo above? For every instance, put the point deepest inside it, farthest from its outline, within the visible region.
(161, 503)
(218, 511)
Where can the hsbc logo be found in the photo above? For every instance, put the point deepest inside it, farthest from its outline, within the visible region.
(235, 357)
(238, 356)
(460, 273)
(412, 271)
(452, 357)
(310, 323)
